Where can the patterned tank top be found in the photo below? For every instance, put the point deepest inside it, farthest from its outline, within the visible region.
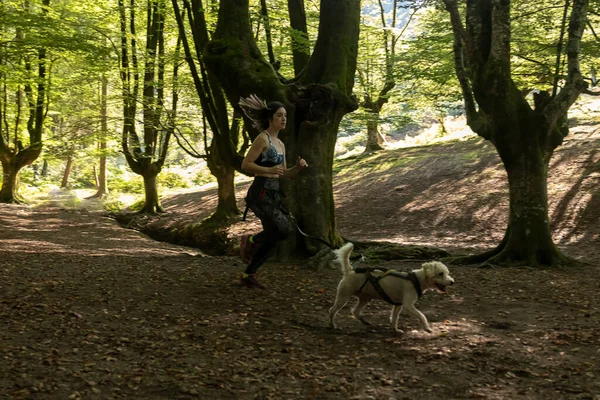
(270, 157)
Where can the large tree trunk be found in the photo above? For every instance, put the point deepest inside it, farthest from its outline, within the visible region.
(17, 157)
(11, 166)
(67, 173)
(310, 195)
(373, 136)
(151, 200)
(225, 174)
(10, 173)
(316, 103)
(227, 203)
(529, 238)
(525, 138)
(102, 187)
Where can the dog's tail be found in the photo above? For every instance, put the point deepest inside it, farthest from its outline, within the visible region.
(342, 255)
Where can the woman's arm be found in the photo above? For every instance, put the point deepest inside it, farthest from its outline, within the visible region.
(260, 144)
(292, 172)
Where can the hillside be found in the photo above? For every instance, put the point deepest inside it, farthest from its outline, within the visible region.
(451, 195)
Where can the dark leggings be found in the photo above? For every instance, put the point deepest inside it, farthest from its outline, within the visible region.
(267, 206)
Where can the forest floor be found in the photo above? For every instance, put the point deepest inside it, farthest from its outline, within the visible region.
(90, 310)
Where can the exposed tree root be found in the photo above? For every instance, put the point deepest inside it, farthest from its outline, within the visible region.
(385, 251)
(474, 259)
(482, 258)
(97, 195)
(151, 210)
(321, 259)
(553, 259)
(209, 235)
(13, 200)
(502, 256)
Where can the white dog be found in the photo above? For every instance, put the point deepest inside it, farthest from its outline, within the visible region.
(400, 289)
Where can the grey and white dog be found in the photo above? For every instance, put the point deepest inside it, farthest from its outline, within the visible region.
(403, 292)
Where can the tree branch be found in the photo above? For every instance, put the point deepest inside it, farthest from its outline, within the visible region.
(334, 56)
(575, 83)
(557, 64)
(299, 33)
(500, 45)
(457, 25)
(527, 14)
(474, 118)
(592, 29)
(461, 66)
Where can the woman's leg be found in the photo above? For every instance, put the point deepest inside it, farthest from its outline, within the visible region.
(276, 227)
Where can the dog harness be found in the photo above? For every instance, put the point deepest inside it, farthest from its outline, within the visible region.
(374, 280)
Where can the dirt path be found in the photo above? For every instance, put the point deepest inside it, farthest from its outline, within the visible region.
(93, 311)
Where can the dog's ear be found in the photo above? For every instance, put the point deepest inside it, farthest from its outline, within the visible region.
(434, 268)
(429, 269)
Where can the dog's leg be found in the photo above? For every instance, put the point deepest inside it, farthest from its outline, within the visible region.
(340, 302)
(396, 310)
(411, 309)
(358, 310)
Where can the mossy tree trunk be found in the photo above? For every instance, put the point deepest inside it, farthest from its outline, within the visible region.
(101, 182)
(524, 137)
(373, 137)
(375, 98)
(300, 43)
(146, 155)
(14, 154)
(316, 101)
(227, 203)
(67, 173)
(526, 155)
(10, 173)
(221, 155)
(12, 163)
(151, 200)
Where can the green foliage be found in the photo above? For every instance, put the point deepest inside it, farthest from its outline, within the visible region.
(26, 176)
(138, 205)
(82, 39)
(113, 204)
(425, 65)
(171, 180)
(204, 177)
(133, 184)
(423, 69)
(83, 178)
(535, 33)
(281, 31)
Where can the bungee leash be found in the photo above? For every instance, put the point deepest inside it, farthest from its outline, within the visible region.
(306, 235)
(325, 242)
(358, 256)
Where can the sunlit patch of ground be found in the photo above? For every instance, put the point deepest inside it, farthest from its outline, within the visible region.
(458, 194)
(91, 236)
